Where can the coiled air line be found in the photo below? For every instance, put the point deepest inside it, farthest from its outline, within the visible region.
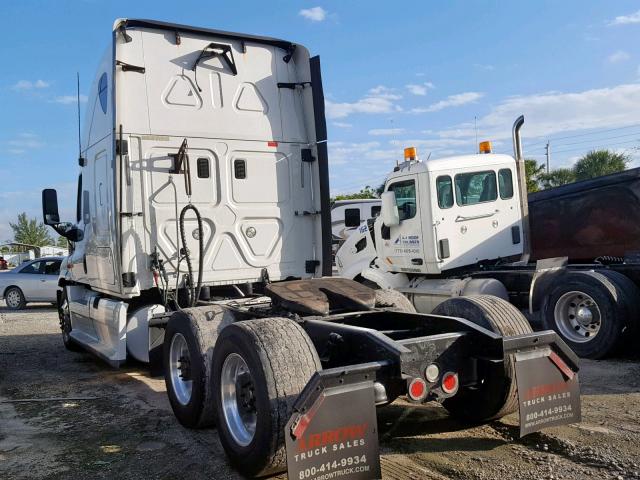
(194, 288)
(180, 159)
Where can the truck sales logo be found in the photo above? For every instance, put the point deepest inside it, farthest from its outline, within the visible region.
(338, 439)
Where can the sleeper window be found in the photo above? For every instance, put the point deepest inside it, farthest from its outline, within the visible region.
(505, 183)
(476, 187)
(375, 211)
(444, 187)
(352, 217)
(405, 198)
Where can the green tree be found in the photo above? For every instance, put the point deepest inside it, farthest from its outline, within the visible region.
(366, 192)
(600, 162)
(557, 177)
(533, 170)
(30, 231)
(62, 242)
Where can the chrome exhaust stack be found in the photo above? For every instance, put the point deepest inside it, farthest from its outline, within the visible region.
(522, 182)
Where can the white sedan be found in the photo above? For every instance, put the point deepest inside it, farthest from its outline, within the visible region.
(33, 281)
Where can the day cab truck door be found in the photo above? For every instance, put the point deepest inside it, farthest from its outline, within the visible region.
(476, 215)
(402, 247)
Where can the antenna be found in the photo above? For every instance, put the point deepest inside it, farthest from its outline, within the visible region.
(475, 123)
(80, 159)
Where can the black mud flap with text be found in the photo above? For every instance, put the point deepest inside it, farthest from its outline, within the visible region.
(548, 387)
(333, 432)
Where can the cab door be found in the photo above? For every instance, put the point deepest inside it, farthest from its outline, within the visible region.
(403, 246)
(472, 218)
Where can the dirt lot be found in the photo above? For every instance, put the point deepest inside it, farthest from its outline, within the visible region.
(66, 415)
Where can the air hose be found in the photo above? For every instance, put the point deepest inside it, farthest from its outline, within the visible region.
(194, 289)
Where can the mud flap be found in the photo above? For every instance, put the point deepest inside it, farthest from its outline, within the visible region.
(333, 431)
(548, 388)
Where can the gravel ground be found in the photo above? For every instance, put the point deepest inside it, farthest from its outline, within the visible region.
(67, 415)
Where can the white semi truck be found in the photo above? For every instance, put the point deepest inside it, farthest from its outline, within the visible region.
(347, 215)
(202, 245)
(459, 226)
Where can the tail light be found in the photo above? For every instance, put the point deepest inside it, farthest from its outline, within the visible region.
(450, 383)
(417, 390)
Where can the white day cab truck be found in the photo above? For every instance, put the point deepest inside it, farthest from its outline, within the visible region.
(459, 226)
(202, 246)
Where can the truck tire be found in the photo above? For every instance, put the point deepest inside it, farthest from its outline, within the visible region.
(65, 323)
(387, 298)
(14, 298)
(497, 395)
(630, 297)
(189, 341)
(259, 369)
(588, 312)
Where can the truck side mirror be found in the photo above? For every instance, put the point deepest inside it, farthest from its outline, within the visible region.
(50, 206)
(389, 212)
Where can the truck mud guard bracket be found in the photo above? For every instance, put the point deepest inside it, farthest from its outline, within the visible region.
(547, 271)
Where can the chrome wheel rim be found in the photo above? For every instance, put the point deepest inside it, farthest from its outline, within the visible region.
(238, 399)
(180, 369)
(13, 299)
(65, 321)
(578, 317)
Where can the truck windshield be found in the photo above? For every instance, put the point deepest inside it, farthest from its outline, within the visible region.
(476, 187)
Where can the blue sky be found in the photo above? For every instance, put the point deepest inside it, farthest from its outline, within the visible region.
(417, 73)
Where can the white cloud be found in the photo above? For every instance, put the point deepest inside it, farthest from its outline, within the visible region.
(419, 89)
(379, 99)
(436, 144)
(451, 101)
(342, 124)
(384, 92)
(69, 99)
(25, 85)
(359, 153)
(23, 142)
(619, 56)
(315, 14)
(483, 66)
(554, 112)
(378, 132)
(626, 19)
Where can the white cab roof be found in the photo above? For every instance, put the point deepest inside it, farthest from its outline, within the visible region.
(450, 163)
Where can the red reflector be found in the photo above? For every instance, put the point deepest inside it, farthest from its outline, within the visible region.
(417, 389)
(450, 382)
(272, 144)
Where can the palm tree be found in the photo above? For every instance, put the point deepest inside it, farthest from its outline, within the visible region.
(600, 162)
(533, 171)
(557, 177)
